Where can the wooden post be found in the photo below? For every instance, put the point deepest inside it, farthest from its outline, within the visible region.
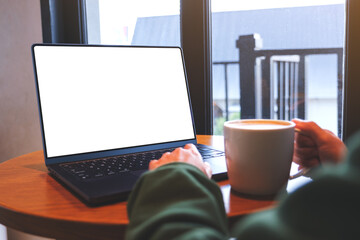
(247, 44)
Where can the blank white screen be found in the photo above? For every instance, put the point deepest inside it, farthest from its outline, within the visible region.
(101, 98)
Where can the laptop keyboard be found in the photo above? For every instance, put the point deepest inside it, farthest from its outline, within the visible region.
(208, 152)
(119, 164)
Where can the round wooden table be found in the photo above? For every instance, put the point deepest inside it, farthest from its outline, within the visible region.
(33, 202)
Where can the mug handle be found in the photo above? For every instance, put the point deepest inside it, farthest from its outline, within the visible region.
(302, 172)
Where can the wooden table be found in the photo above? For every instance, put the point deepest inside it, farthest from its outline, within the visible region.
(33, 202)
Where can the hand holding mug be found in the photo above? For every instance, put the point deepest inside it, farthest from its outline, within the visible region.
(314, 145)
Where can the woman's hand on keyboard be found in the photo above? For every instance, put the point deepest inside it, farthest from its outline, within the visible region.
(189, 154)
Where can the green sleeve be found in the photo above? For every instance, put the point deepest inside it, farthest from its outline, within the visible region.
(176, 201)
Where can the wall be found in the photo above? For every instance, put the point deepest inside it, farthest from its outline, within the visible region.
(20, 26)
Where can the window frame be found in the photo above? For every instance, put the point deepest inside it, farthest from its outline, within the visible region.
(195, 18)
(351, 113)
(64, 21)
(195, 21)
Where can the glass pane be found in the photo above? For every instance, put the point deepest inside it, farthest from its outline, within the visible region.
(278, 59)
(133, 22)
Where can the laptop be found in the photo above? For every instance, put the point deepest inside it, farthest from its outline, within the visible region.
(106, 111)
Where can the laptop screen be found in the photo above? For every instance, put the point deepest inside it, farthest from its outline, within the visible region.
(96, 98)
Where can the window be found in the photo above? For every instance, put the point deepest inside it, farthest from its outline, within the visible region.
(65, 22)
(155, 23)
(278, 59)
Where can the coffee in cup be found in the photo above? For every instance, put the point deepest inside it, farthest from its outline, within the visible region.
(258, 155)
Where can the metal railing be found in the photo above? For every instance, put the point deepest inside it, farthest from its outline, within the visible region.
(226, 81)
(272, 82)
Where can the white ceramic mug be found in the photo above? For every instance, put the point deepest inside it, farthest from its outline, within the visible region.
(259, 155)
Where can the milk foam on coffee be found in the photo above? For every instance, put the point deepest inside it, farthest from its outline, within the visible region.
(259, 126)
